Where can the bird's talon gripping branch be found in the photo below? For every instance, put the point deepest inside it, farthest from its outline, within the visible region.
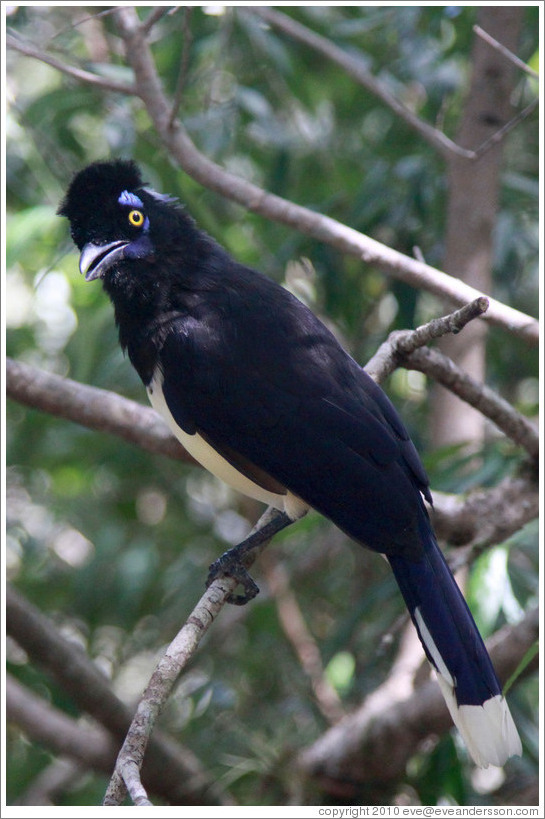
(230, 565)
(232, 562)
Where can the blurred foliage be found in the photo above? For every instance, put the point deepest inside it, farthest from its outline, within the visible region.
(114, 543)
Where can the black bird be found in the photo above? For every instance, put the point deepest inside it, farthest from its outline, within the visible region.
(260, 392)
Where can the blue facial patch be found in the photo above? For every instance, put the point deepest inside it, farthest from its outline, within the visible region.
(131, 199)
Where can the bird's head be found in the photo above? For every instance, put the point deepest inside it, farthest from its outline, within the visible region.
(114, 217)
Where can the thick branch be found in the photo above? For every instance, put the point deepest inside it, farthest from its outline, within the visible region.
(375, 742)
(405, 348)
(43, 723)
(322, 228)
(93, 407)
(479, 396)
(485, 517)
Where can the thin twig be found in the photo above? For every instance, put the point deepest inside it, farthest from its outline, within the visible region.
(404, 342)
(356, 68)
(497, 136)
(505, 51)
(78, 74)
(154, 17)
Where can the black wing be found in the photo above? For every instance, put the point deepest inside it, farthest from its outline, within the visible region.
(262, 379)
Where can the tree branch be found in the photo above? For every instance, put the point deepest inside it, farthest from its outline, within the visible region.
(507, 53)
(374, 743)
(355, 67)
(47, 725)
(486, 517)
(156, 15)
(518, 428)
(95, 408)
(403, 343)
(405, 348)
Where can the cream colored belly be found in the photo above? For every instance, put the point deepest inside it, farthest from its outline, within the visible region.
(217, 465)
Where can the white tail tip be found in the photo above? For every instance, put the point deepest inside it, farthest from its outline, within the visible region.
(488, 730)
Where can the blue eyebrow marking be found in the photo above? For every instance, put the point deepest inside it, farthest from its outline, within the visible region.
(131, 199)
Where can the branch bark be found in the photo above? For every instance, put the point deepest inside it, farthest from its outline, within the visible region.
(92, 407)
(42, 722)
(489, 404)
(486, 517)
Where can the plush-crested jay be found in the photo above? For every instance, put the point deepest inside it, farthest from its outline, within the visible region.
(260, 392)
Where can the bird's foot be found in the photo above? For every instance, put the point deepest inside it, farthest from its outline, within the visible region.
(230, 565)
(233, 562)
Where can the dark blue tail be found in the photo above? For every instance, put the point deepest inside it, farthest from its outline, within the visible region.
(456, 651)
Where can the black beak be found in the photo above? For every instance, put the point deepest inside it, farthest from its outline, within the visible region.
(96, 260)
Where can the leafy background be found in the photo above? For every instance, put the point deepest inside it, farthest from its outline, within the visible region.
(114, 543)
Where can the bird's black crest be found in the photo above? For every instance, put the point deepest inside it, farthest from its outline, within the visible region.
(99, 181)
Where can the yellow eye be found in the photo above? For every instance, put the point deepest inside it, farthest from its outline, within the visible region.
(136, 218)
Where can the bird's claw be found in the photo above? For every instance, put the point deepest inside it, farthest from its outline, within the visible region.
(229, 565)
